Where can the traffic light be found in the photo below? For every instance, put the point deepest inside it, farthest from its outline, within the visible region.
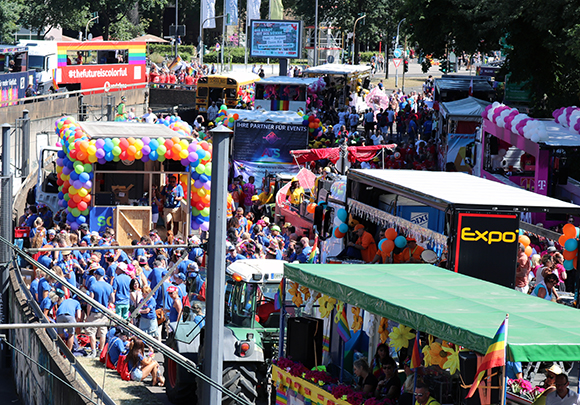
(406, 65)
(443, 66)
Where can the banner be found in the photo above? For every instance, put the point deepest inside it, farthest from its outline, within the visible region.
(232, 12)
(254, 9)
(96, 76)
(265, 142)
(460, 151)
(486, 246)
(101, 218)
(13, 86)
(208, 13)
(275, 39)
(276, 10)
(260, 170)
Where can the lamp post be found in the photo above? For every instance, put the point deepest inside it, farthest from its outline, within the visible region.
(87, 27)
(201, 36)
(176, 28)
(316, 34)
(354, 34)
(216, 276)
(397, 47)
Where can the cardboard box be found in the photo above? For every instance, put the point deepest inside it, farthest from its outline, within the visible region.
(122, 194)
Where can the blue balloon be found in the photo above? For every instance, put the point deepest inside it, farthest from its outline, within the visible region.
(568, 264)
(153, 155)
(204, 178)
(81, 219)
(577, 232)
(74, 176)
(342, 215)
(70, 217)
(343, 228)
(84, 177)
(400, 242)
(381, 243)
(61, 154)
(153, 144)
(571, 245)
(109, 156)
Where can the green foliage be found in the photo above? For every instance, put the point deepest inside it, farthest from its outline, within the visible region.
(168, 50)
(125, 30)
(10, 11)
(68, 14)
(156, 58)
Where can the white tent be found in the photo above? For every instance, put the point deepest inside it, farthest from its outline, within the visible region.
(467, 109)
(281, 117)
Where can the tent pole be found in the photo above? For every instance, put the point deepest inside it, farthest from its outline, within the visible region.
(281, 324)
(341, 351)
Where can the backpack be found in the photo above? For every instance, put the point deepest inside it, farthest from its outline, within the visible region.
(104, 352)
(123, 368)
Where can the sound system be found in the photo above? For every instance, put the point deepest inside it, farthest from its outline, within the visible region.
(468, 368)
(304, 340)
(105, 198)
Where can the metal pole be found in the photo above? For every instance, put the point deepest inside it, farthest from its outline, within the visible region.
(316, 34)
(25, 144)
(5, 201)
(224, 21)
(201, 22)
(87, 27)
(354, 35)
(397, 47)
(52, 325)
(176, 26)
(133, 247)
(246, 47)
(216, 276)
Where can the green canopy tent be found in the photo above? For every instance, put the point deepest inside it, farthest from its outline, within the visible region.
(451, 306)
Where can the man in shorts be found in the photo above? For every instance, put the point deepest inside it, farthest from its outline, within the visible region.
(173, 193)
(102, 292)
(69, 311)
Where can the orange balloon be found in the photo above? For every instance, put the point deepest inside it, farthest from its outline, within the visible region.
(562, 240)
(311, 208)
(569, 230)
(388, 246)
(338, 234)
(391, 234)
(524, 240)
(569, 255)
(529, 250)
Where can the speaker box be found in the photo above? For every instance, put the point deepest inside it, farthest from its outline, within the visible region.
(468, 368)
(304, 341)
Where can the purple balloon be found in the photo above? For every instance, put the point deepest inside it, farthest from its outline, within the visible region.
(59, 162)
(88, 184)
(100, 143)
(146, 140)
(146, 150)
(74, 226)
(66, 170)
(78, 184)
(207, 185)
(145, 158)
(100, 153)
(193, 157)
(198, 184)
(184, 162)
(204, 226)
(194, 225)
(102, 161)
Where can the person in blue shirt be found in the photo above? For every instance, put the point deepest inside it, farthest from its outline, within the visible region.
(233, 255)
(144, 266)
(34, 284)
(45, 257)
(121, 289)
(69, 311)
(102, 292)
(195, 254)
(176, 306)
(46, 215)
(154, 279)
(117, 346)
(148, 319)
(32, 217)
(300, 255)
(44, 287)
(184, 265)
(48, 303)
(180, 283)
(173, 194)
(69, 266)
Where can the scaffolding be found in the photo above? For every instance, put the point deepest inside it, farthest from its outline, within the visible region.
(330, 44)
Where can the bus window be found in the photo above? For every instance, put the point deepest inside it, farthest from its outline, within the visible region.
(231, 93)
(202, 92)
(216, 94)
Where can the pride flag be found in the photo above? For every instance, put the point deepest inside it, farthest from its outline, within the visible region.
(494, 357)
(279, 105)
(314, 251)
(416, 358)
(342, 326)
(278, 301)
(173, 65)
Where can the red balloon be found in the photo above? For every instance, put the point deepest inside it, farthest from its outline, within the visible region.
(199, 205)
(570, 255)
(87, 199)
(338, 234)
(82, 206)
(72, 203)
(123, 144)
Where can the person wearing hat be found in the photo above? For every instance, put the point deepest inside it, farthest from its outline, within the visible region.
(173, 195)
(69, 266)
(233, 255)
(102, 292)
(117, 345)
(295, 193)
(549, 384)
(121, 290)
(365, 245)
(251, 251)
(175, 304)
(180, 283)
(257, 208)
(412, 253)
(121, 111)
(69, 311)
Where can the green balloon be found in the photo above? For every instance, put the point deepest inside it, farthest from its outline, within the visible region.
(207, 170)
(194, 212)
(67, 197)
(88, 167)
(205, 212)
(161, 150)
(116, 151)
(79, 169)
(223, 107)
(86, 212)
(161, 158)
(116, 158)
(161, 141)
(200, 169)
(116, 141)
(76, 212)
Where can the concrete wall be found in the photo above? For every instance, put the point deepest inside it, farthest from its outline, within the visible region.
(34, 385)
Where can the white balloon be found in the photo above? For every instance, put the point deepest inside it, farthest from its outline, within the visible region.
(501, 152)
(496, 104)
(544, 137)
(535, 138)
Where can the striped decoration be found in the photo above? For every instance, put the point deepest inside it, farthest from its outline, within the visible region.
(279, 105)
(281, 398)
(136, 49)
(326, 344)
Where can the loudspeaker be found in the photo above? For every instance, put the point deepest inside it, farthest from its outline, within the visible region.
(304, 340)
(468, 368)
(493, 145)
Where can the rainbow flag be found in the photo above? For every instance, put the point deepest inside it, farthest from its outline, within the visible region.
(342, 326)
(416, 358)
(279, 105)
(54, 83)
(314, 251)
(278, 301)
(281, 398)
(494, 357)
(173, 65)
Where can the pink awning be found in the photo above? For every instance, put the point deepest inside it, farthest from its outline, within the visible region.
(355, 153)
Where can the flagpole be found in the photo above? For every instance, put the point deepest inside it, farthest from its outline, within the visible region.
(504, 384)
(416, 368)
(282, 315)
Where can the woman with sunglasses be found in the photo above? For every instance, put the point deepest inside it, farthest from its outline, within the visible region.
(546, 289)
(389, 386)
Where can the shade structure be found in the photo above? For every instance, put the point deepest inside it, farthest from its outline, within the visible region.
(149, 38)
(454, 307)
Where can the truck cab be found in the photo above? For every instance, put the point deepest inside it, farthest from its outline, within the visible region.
(42, 58)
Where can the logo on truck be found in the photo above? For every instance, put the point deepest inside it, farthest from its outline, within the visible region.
(488, 237)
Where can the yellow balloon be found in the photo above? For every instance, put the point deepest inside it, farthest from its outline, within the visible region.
(138, 145)
(202, 192)
(184, 144)
(72, 190)
(139, 154)
(93, 158)
(183, 154)
(83, 192)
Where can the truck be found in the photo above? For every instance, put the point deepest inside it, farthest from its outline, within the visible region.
(251, 336)
(43, 59)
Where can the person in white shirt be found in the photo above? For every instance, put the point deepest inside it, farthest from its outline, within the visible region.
(377, 138)
(563, 395)
(212, 111)
(150, 117)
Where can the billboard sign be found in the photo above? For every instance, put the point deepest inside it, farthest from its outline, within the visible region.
(275, 38)
(486, 246)
(101, 218)
(266, 142)
(13, 86)
(96, 76)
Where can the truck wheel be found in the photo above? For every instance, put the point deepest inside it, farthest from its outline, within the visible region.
(178, 392)
(240, 380)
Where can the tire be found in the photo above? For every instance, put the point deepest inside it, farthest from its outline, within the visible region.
(242, 381)
(177, 390)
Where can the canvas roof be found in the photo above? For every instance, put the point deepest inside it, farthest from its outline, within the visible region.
(454, 307)
(467, 109)
(337, 69)
(114, 129)
(455, 190)
(288, 80)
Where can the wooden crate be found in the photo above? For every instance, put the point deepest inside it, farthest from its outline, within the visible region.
(131, 223)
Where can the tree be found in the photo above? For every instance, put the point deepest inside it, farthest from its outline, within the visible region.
(10, 11)
(41, 15)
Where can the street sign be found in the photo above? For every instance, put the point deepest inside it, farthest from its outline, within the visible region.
(397, 53)
(397, 62)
